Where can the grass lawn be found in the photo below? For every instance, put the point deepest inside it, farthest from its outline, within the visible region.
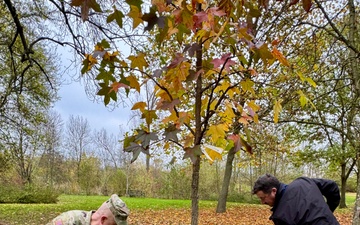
(151, 211)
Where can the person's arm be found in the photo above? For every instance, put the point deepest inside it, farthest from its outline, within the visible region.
(330, 190)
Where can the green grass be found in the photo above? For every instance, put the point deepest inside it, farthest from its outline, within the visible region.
(42, 213)
(37, 214)
(350, 198)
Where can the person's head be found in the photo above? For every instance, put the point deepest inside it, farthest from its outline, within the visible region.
(265, 188)
(112, 212)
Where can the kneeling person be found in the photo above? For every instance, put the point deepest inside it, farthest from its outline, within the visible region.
(112, 212)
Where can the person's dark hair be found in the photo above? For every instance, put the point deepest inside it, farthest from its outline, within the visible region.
(265, 183)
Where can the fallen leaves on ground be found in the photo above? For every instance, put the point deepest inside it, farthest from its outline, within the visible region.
(237, 215)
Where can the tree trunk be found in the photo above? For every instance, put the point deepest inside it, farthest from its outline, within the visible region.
(356, 217)
(147, 162)
(356, 80)
(343, 187)
(195, 192)
(221, 206)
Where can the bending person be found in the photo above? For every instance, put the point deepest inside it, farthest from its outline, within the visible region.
(301, 202)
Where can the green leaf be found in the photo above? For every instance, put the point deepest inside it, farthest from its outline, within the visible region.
(104, 43)
(136, 3)
(85, 67)
(117, 16)
(149, 116)
(128, 140)
(105, 76)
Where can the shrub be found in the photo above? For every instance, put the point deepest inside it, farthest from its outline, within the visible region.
(27, 194)
(242, 198)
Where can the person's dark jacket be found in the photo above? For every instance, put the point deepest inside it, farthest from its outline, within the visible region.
(302, 202)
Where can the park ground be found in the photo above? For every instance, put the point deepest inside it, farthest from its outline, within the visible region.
(151, 212)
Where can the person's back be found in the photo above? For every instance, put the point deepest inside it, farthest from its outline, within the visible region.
(73, 217)
(303, 203)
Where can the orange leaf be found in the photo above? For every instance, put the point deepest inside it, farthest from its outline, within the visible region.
(279, 56)
(116, 85)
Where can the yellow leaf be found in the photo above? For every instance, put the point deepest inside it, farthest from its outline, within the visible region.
(301, 76)
(256, 118)
(138, 61)
(277, 109)
(253, 106)
(139, 105)
(303, 99)
(310, 81)
(212, 152)
(136, 15)
(279, 56)
(217, 131)
(133, 82)
(228, 113)
(247, 85)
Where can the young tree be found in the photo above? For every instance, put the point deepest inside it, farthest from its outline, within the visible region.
(199, 80)
(78, 139)
(51, 157)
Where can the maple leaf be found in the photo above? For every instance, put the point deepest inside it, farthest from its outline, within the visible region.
(179, 58)
(277, 109)
(136, 15)
(303, 99)
(171, 133)
(88, 63)
(136, 3)
(226, 6)
(240, 142)
(145, 137)
(245, 118)
(166, 105)
(307, 5)
(151, 18)
(224, 59)
(192, 48)
(217, 131)
(104, 91)
(85, 7)
(253, 105)
(149, 116)
(139, 105)
(187, 16)
(116, 85)
(192, 153)
(279, 56)
(135, 149)
(247, 85)
(212, 152)
(199, 18)
(117, 16)
(128, 140)
(133, 82)
(138, 61)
